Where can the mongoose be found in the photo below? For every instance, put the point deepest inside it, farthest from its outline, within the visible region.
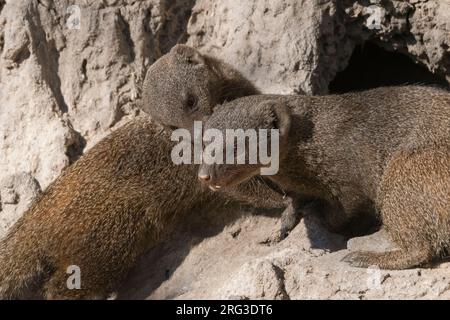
(102, 213)
(387, 146)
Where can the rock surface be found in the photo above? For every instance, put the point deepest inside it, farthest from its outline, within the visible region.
(292, 46)
(16, 193)
(292, 61)
(71, 71)
(417, 28)
(231, 259)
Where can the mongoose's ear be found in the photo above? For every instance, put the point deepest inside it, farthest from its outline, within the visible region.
(283, 117)
(184, 53)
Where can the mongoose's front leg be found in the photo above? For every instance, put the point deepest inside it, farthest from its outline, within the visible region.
(298, 206)
(290, 217)
(392, 260)
(294, 203)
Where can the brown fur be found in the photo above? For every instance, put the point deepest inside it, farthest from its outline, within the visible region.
(103, 212)
(387, 148)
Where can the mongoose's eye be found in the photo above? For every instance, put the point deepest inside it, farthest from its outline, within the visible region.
(191, 103)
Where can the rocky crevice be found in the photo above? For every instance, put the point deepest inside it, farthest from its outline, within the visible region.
(418, 29)
(126, 42)
(47, 55)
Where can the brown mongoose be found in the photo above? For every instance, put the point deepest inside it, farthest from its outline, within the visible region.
(387, 146)
(102, 213)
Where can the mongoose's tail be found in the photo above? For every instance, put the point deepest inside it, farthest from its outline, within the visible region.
(22, 268)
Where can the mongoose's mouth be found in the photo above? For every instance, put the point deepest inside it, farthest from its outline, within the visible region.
(215, 188)
(224, 180)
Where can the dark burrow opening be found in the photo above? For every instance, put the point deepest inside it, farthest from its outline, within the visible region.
(371, 66)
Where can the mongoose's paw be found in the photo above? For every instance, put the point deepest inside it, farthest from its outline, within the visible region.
(290, 218)
(391, 260)
(287, 226)
(281, 233)
(361, 259)
(271, 239)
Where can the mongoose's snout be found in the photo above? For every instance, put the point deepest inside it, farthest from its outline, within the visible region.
(206, 177)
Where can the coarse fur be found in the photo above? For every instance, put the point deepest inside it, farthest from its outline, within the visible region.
(386, 148)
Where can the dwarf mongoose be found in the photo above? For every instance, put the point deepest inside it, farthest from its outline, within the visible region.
(102, 213)
(387, 146)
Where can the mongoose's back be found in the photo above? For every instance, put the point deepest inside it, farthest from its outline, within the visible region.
(391, 114)
(103, 212)
(369, 127)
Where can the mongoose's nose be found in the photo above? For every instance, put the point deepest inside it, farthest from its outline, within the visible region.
(204, 177)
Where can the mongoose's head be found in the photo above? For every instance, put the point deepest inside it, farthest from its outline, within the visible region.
(179, 88)
(259, 129)
(184, 86)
